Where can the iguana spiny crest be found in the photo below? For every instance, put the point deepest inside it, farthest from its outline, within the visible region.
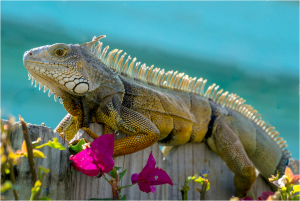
(72, 71)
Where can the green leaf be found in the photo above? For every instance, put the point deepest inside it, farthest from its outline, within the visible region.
(54, 144)
(117, 168)
(44, 174)
(123, 198)
(38, 153)
(35, 143)
(113, 173)
(6, 186)
(45, 170)
(296, 197)
(207, 186)
(121, 174)
(78, 147)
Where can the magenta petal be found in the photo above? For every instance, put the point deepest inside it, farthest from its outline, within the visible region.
(265, 195)
(145, 187)
(103, 146)
(150, 163)
(90, 170)
(83, 162)
(151, 176)
(134, 178)
(154, 176)
(158, 176)
(153, 189)
(247, 198)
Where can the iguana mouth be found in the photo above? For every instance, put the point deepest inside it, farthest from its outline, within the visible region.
(44, 83)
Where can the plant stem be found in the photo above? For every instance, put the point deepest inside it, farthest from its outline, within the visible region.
(29, 151)
(288, 191)
(114, 187)
(183, 194)
(32, 196)
(186, 195)
(106, 179)
(126, 186)
(203, 190)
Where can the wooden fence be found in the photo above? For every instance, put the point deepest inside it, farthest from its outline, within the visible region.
(63, 182)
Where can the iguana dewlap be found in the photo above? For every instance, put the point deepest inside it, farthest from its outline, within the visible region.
(151, 105)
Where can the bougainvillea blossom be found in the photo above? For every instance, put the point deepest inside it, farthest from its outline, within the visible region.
(151, 176)
(97, 158)
(265, 195)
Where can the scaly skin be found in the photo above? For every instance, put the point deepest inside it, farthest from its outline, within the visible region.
(153, 106)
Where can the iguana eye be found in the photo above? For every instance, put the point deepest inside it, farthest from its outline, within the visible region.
(60, 52)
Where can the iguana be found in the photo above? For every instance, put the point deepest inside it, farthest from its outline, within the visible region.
(151, 105)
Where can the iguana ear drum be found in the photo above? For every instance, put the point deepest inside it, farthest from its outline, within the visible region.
(81, 87)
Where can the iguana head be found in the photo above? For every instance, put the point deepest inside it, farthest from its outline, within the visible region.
(63, 68)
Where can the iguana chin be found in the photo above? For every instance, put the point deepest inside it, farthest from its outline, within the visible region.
(151, 105)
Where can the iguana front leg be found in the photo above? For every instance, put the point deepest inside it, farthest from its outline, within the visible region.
(226, 144)
(143, 133)
(67, 128)
(73, 121)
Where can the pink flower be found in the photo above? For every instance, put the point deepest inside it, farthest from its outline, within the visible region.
(265, 195)
(97, 158)
(150, 176)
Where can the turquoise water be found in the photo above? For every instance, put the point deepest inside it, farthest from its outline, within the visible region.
(248, 48)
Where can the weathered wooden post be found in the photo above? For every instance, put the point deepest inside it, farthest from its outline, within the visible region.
(65, 183)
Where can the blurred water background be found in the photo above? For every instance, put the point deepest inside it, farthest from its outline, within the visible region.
(248, 48)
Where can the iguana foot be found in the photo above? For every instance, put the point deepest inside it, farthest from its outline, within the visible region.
(67, 127)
